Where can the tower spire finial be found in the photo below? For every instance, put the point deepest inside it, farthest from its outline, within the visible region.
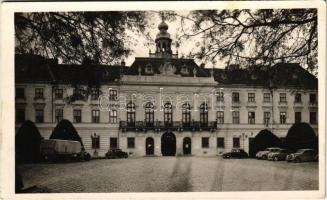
(162, 16)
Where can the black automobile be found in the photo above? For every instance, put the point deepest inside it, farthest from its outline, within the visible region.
(235, 153)
(116, 153)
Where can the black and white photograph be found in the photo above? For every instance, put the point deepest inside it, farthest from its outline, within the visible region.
(171, 100)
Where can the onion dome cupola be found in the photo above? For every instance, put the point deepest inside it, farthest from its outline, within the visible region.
(163, 41)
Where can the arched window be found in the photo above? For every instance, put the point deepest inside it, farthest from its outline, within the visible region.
(149, 114)
(186, 114)
(204, 114)
(130, 114)
(168, 114)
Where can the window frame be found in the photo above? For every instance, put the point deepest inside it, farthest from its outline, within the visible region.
(113, 95)
(205, 142)
(266, 97)
(77, 116)
(236, 118)
(235, 97)
(130, 142)
(186, 114)
(113, 116)
(39, 118)
(39, 93)
(59, 114)
(20, 93)
(282, 117)
(95, 116)
(251, 97)
(297, 117)
(220, 117)
(282, 97)
(236, 142)
(220, 142)
(251, 117)
(59, 93)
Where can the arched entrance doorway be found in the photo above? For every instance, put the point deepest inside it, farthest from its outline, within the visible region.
(168, 144)
(149, 146)
(187, 146)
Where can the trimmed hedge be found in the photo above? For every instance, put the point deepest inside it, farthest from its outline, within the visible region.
(27, 144)
(301, 136)
(65, 131)
(263, 140)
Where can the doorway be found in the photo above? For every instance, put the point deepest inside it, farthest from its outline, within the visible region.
(168, 144)
(187, 146)
(149, 146)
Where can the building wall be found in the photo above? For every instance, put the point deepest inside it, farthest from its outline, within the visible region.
(173, 88)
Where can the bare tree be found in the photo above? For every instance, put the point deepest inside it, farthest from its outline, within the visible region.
(260, 37)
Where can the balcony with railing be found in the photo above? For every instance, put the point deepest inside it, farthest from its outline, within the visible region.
(157, 126)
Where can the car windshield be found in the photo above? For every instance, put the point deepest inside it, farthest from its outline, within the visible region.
(273, 149)
(235, 150)
(300, 151)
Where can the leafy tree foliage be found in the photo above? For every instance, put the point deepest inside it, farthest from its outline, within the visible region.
(261, 37)
(65, 131)
(301, 136)
(74, 37)
(263, 140)
(27, 143)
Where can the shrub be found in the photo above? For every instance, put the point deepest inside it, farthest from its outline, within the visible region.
(27, 144)
(263, 140)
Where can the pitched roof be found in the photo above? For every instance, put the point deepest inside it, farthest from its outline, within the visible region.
(279, 75)
(34, 68)
(178, 63)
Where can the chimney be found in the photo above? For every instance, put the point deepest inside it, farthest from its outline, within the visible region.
(202, 65)
(123, 63)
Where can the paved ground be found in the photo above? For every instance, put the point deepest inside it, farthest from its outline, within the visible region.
(171, 174)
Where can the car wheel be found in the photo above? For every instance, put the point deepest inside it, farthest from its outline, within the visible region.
(264, 157)
(276, 158)
(297, 159)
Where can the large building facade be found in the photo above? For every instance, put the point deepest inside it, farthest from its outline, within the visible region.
(163, 104)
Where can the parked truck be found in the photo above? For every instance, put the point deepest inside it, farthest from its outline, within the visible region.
(56, 150)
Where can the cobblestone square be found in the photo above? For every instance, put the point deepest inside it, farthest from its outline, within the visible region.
(171, 174)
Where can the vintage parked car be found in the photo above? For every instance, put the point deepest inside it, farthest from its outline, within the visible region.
(57, 150)
(264, 154)
(116, 153)
(302, 155)
(278, 155)
(235, 153)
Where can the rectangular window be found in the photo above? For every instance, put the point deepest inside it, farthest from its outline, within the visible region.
(38, 93)
(130, 142)
(297, 98)
(220, 142)
(236, 117)
(236, 142)
(59, 115)
(20, 115)
(251, 97)
(220, 117)
(251, 117)
(205, 142)
(113, 143)
(282, 117)
(282, 97)
(20, 93)
(220, 96)
(59, 93)
(266, 116)
(112, 95)
(95, 141)
(95, 92)
(39, 116)
(77, 116)
(313, 99)
(113, 116)
(236, 97)
(313, 118)
(95, 116)
(266, 97)
(79, 93)
(297, 117)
